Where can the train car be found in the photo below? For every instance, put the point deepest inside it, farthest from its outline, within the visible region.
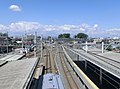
(52, 81)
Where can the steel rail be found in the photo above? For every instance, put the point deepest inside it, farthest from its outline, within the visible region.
(84, 79)
(61, 55)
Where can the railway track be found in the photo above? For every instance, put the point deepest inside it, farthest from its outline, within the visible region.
(29, 55)
(47, 61)
(68, 73)
(53, 64)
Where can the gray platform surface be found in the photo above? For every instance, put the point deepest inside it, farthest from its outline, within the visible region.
(12, 57)
(104, 64)
(107, 54)
(6, 57)
(111, 55)
(14, 74)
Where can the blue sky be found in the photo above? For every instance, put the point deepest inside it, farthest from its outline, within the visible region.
(104, 13)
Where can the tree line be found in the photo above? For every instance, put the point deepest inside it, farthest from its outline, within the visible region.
(67, 35)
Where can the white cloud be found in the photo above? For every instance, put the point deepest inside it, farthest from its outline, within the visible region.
(3, 28)
(15, 8)
(19, 28)
(114, 32)
(82, 29)
(95, 26)
(115, 29)
(51, 29)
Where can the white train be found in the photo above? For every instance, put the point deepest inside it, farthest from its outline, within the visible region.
(52, 81)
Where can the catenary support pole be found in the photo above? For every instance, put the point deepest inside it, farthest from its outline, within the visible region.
(102, 47)
(86, 48)
(35, 34)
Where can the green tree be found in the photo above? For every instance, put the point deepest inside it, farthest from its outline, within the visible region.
(60, 36)
(81, 35)
(75, 36)
(65, 35)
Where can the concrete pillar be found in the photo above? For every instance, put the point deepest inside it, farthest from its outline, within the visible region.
(100, 76)
(102, 47)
